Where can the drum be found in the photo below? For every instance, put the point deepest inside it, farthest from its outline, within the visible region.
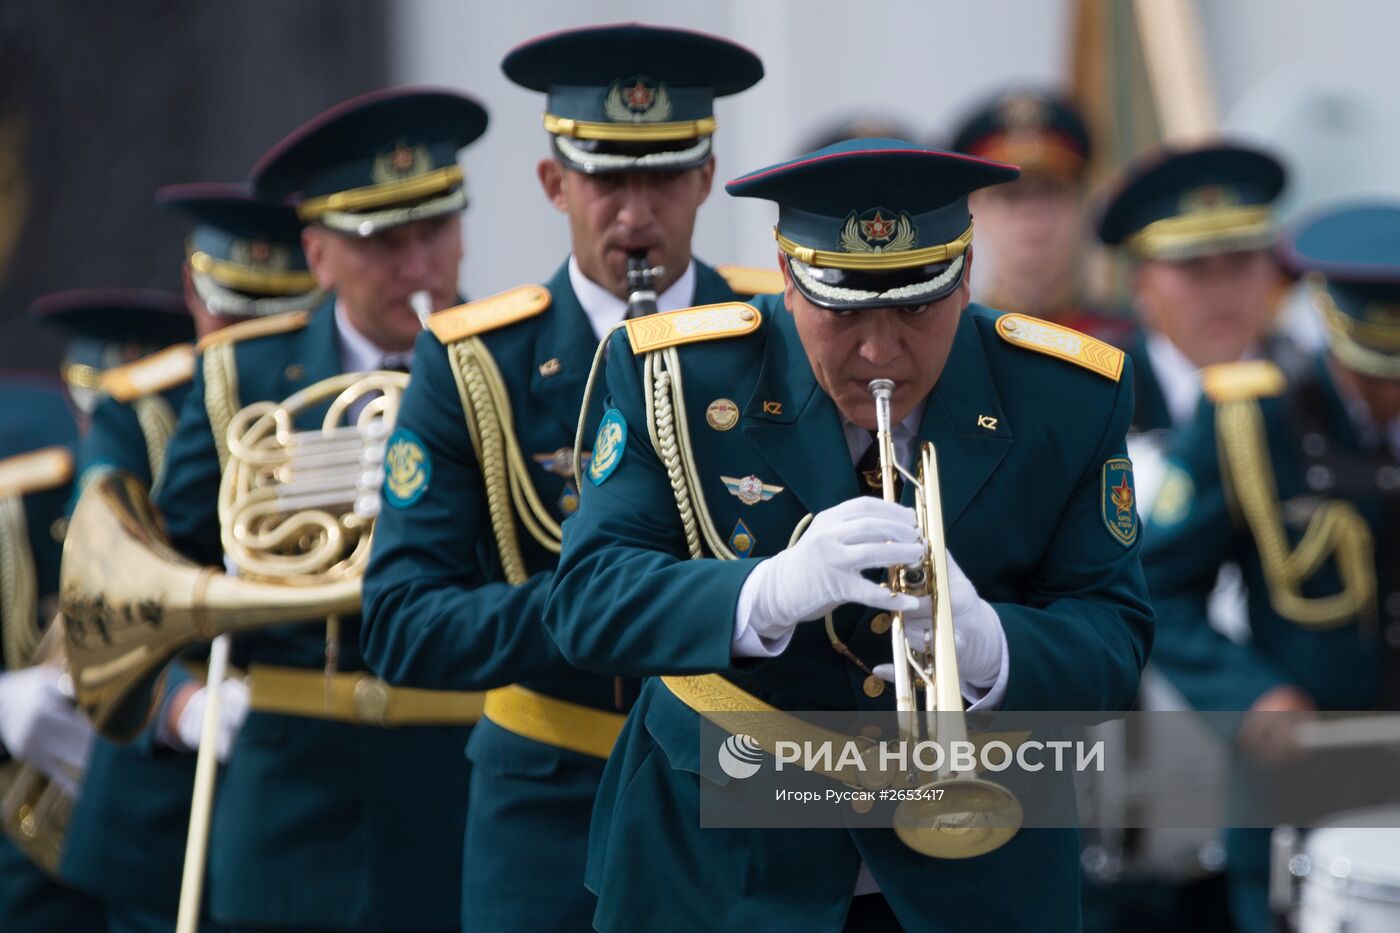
(1349, 874)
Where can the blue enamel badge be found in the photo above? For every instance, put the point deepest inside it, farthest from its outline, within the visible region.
(1119, 501)
(609, 446)
(741, 539)
(407, 469)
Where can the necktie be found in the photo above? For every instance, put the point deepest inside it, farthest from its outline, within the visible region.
(868, 471)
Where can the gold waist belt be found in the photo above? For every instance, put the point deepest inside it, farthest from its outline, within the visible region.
(741, 713)
(560, 723)
(357, 698)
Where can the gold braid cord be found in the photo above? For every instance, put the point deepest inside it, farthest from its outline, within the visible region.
(509, 490)
(1336, 529)
(19, 586)
(157, 420)
(220, 394)
(670, 437)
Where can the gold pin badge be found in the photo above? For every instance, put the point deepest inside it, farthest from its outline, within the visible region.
(772, 408)
(987, 421)
(550, 367)
(722, 414)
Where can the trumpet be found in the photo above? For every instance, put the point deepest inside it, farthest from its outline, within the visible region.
(965, 815)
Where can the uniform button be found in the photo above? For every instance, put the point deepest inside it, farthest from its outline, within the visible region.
(880, 623)
(1392, 605)
(1392, 634)
(1388, 478)
(1314, 444)
(1319, 478)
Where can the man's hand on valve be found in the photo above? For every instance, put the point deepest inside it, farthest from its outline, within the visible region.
(978, 636)
(823, 569)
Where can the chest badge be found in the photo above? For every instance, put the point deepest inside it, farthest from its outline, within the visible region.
(722, 414)
(561, 461)
(750, 489)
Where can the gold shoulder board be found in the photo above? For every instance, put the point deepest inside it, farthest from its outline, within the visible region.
(1068, 344)
(257, 327)
(487, 314)
(35, 471)
(692, 325)
(1234, 382)
(748, 280)
(170, 367)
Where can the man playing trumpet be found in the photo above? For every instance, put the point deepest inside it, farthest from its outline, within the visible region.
(682, 559)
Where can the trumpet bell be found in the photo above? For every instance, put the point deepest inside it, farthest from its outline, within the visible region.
(958, 818)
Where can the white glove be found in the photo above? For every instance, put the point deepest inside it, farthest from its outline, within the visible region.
(977, 632)
(41, 727)
(823, 569)
(233, 709)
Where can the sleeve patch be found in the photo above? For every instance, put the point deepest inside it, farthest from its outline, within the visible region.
(608, 447)
(407, 469)
(1119, 501)
(1174, 497)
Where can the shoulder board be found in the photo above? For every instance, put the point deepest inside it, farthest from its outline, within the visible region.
(257, 327)
(1234, 382)
(170, 367)
(692, 325)
(748, 280)
(35, 471)
(1070, 345)
(487, 314)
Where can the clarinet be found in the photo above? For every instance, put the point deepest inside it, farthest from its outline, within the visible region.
(641, 285)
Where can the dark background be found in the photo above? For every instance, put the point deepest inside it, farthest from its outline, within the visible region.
(91, 123)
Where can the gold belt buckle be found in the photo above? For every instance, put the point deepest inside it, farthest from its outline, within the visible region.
(370, 700)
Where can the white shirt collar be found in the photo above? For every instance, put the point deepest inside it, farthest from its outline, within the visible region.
(604, 309)
(1177, 377)
(357, 352)
(905, 434)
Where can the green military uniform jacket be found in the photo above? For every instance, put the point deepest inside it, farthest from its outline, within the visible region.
(126, 843)
(1026, 519)
(1199, 523)
(318, 823)
(439, 614)
(31, 901)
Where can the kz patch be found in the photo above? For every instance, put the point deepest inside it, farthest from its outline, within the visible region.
(407, 469)
(609, 446)
(1119, 502)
